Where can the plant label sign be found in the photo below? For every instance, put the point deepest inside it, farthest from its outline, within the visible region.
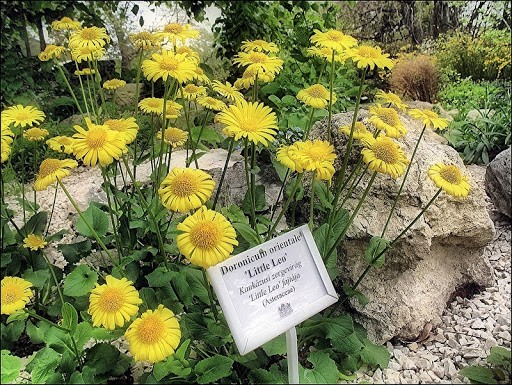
(272, 287)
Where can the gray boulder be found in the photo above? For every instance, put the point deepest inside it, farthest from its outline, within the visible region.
(498, 182)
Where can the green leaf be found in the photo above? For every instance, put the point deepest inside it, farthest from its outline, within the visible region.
(273, 376)
(35, 225)
(18, 315)
(80, 281)
(376, 246)
(73, 252)
(36, 333)
(322, 193)
(213, 368)
(96, 218)
(148, 296)
(500, 357)
(274, 99)
(280, 168)
(11, 366)
(275, 346)
(171, 365)
(38, 278)
(478, 374)
(324, 370)
(85, 377)
(101, 356)
(288, 100)
(69, 317)
(247, 233)
(196, 283)
(45, 366)
(259, 200)
(374, 355)
(160, 277)
(208, 135)
(361, 298)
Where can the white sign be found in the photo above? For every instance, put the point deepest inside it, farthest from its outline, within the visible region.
(271, 288)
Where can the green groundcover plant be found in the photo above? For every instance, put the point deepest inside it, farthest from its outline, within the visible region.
(136, 275)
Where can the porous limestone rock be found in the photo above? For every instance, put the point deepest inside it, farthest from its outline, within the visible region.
(442, 251)
(498, 182)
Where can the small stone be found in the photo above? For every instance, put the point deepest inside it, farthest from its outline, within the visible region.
(453, 344)
(478, 324)
(397, 353)
(425, 378)
(505, 335)
(440, 338)
(433, 376)
(407, 363)
(377, 376)
(422, 363)
(413, 346)
(450, 370)
(438, 370)
(393, 365)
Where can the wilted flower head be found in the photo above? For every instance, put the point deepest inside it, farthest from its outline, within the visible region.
(113, 84)
(51, 52)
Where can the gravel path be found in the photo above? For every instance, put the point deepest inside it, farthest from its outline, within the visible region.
(471, 326)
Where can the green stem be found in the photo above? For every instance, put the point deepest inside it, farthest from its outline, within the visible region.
(354, 184)
(92, 100)
(351, 219)
(210, 295)
(82, 89)
(164, 126)
(69, 87)
(309, 123)
(23, 188)
(50, 267)
(331, 86)
(35, 171)
(403, 182)
(253, 187)
(119, 246)
(224, 170)
(311, 200)
(100, 88)
(274, 207)
(51, 212)
(194, 148)
(37, 316)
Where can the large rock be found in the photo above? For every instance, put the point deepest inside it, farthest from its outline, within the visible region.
(498, 182)
(443, 251)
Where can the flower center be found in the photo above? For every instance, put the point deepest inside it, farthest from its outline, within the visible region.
(169, 64)
(368, 52)
(151, 329)
(386, 151)
(22, 115)
(184, 185)
(152, 103)
(48, 166)
(88, 34)
(205, 234)
(258, 57)
(10, 294)
(174, 28)
(191, 88)
(115, 125)
(111, 300)
(316, 153)
(451, 174)
(430, 114)
(388, 116)
(318, 91)
(96, 139)
(173, 135)
(249, 125)
(144, 35)
(66, 19)
(335, 35)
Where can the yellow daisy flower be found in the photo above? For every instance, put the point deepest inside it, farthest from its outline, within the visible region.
(368, 56)
(22, 116)
(192, 92)
(65, 23)
(168, 64)
(227, 90)
(6, 134)
(360, 130)
(317, 155)
(259, 45)
(34, 242)
(15, 295)
(52, 169)
(128, 127)
(387, 119)
(185, 189)
(287, 155)
(85, 71)
(154, 336)
(316, 96)
(200, 76)
(5, 152)
(98, 144)
(171, 112)
(92, 37)
(113, 303)
(333, 39)
(211, 103)
(189, 53)
(385, 156)
(325, 53)
(253, 121)
(450, 179)
(51, 51)
(87, 53)
(145, 40)
(61, 144)
(152, 105)
(429, 118)
(249, 77)
(173, 136)
(391, 98)
(207, 238)
(257, 61)
(35, 134)
(113, 84)
(176, 31)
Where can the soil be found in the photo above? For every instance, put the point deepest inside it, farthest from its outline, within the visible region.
(24, 347)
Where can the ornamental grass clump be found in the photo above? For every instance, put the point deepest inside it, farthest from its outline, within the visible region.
(137, 273)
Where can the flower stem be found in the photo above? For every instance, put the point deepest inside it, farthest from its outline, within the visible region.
(51, 212)
(82, 89)
(69, 88)
(253, 187)
(331, 86)
(50, 267)
(119, 246)
(210, 295)
(311, 200)
(309, 124)
(224, 170)
(35, 171)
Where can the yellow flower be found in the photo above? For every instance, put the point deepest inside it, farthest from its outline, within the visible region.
(113, 303)
(192, 92)
(259, 61)
(6, 140)
(317, 155)
(253, 121)
(51, 52)
(61, 144)
(173, 136)
(22, 116)
(200, 76)
(259, 45)
(385, 156)
(287, 156)
(227, 90)
(85, 71)
(65, 23)
(450, 179)
(34, 242)
(87, 53)
(52, 169)
(92, 37)
(249, 77)
(175, 31)
(368, 56)
(333, 39)
(5, 152)
(316, 96)
(326, 53)
(113, 84)
(152, 105)
(360, 130)
(127, 127)
(144, 40)
(97, 144)
(35, 134)
(211, 103)
(16, 294)
(185, 189)
(387, 119)
(171, 112)
(207, 238)
(154, 336)
(169, 64)
(429, 118)
(189, 53)
(391, 98)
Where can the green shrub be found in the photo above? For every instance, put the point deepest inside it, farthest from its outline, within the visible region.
(497, 371)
